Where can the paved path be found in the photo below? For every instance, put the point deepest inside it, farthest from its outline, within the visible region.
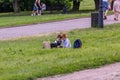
(109, 72)
(32, 30)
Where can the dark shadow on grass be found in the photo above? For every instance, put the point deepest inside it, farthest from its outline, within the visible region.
(81, 11)
(28, 13)
(12, 14)
(69, 12)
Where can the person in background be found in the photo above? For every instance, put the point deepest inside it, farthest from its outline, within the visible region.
(39, 7)
(106, 7)
(66, 42)
(116, 9)
(43, 7)
(35, 9)
(57, 43)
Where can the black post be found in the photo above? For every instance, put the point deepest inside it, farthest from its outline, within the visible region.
(100, 17)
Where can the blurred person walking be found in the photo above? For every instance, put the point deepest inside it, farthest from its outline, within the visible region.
(116, 9)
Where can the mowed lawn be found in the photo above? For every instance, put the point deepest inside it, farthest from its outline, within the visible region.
(25, 59)
(25, 18)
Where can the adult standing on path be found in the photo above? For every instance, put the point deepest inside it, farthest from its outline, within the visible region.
(105, 8)
(116, 9)
(39, 6)
(35, 9)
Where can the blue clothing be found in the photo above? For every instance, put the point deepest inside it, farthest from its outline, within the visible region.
(58, 43)
(35, 8)
(105, 5)
(66, 43)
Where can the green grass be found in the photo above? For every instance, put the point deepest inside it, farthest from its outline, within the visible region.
(25, 59)
(25, 20)
(87, 5)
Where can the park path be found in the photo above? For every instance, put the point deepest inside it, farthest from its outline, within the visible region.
(108, 72)
(37, 29)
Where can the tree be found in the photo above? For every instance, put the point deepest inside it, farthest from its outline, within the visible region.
(112, 4)
(76, 5)
(96, 4)
(16, 5)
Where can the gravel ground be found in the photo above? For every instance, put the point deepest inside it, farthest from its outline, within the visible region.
(108, 72)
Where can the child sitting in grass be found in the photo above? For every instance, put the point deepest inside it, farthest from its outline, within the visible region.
(66, 41)
(58, 42)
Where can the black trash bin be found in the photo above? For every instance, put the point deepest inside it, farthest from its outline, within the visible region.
(94, 19)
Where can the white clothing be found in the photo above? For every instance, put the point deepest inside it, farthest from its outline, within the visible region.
(105, 0)
(66, 43)
(43, 7)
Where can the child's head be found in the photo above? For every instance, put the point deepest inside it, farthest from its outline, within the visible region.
(59, 36)
(64, 36)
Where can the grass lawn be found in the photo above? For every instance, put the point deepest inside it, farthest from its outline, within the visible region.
(25, 59)
(25, 20)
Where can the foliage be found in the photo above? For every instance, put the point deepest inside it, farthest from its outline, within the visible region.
(5, 6)
(26, 5)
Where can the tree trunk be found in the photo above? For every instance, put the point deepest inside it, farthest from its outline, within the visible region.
(76, 5)
(96, 4)
(16, 6)
(112, 4)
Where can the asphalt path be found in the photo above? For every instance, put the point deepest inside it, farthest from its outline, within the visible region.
(44, 28)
